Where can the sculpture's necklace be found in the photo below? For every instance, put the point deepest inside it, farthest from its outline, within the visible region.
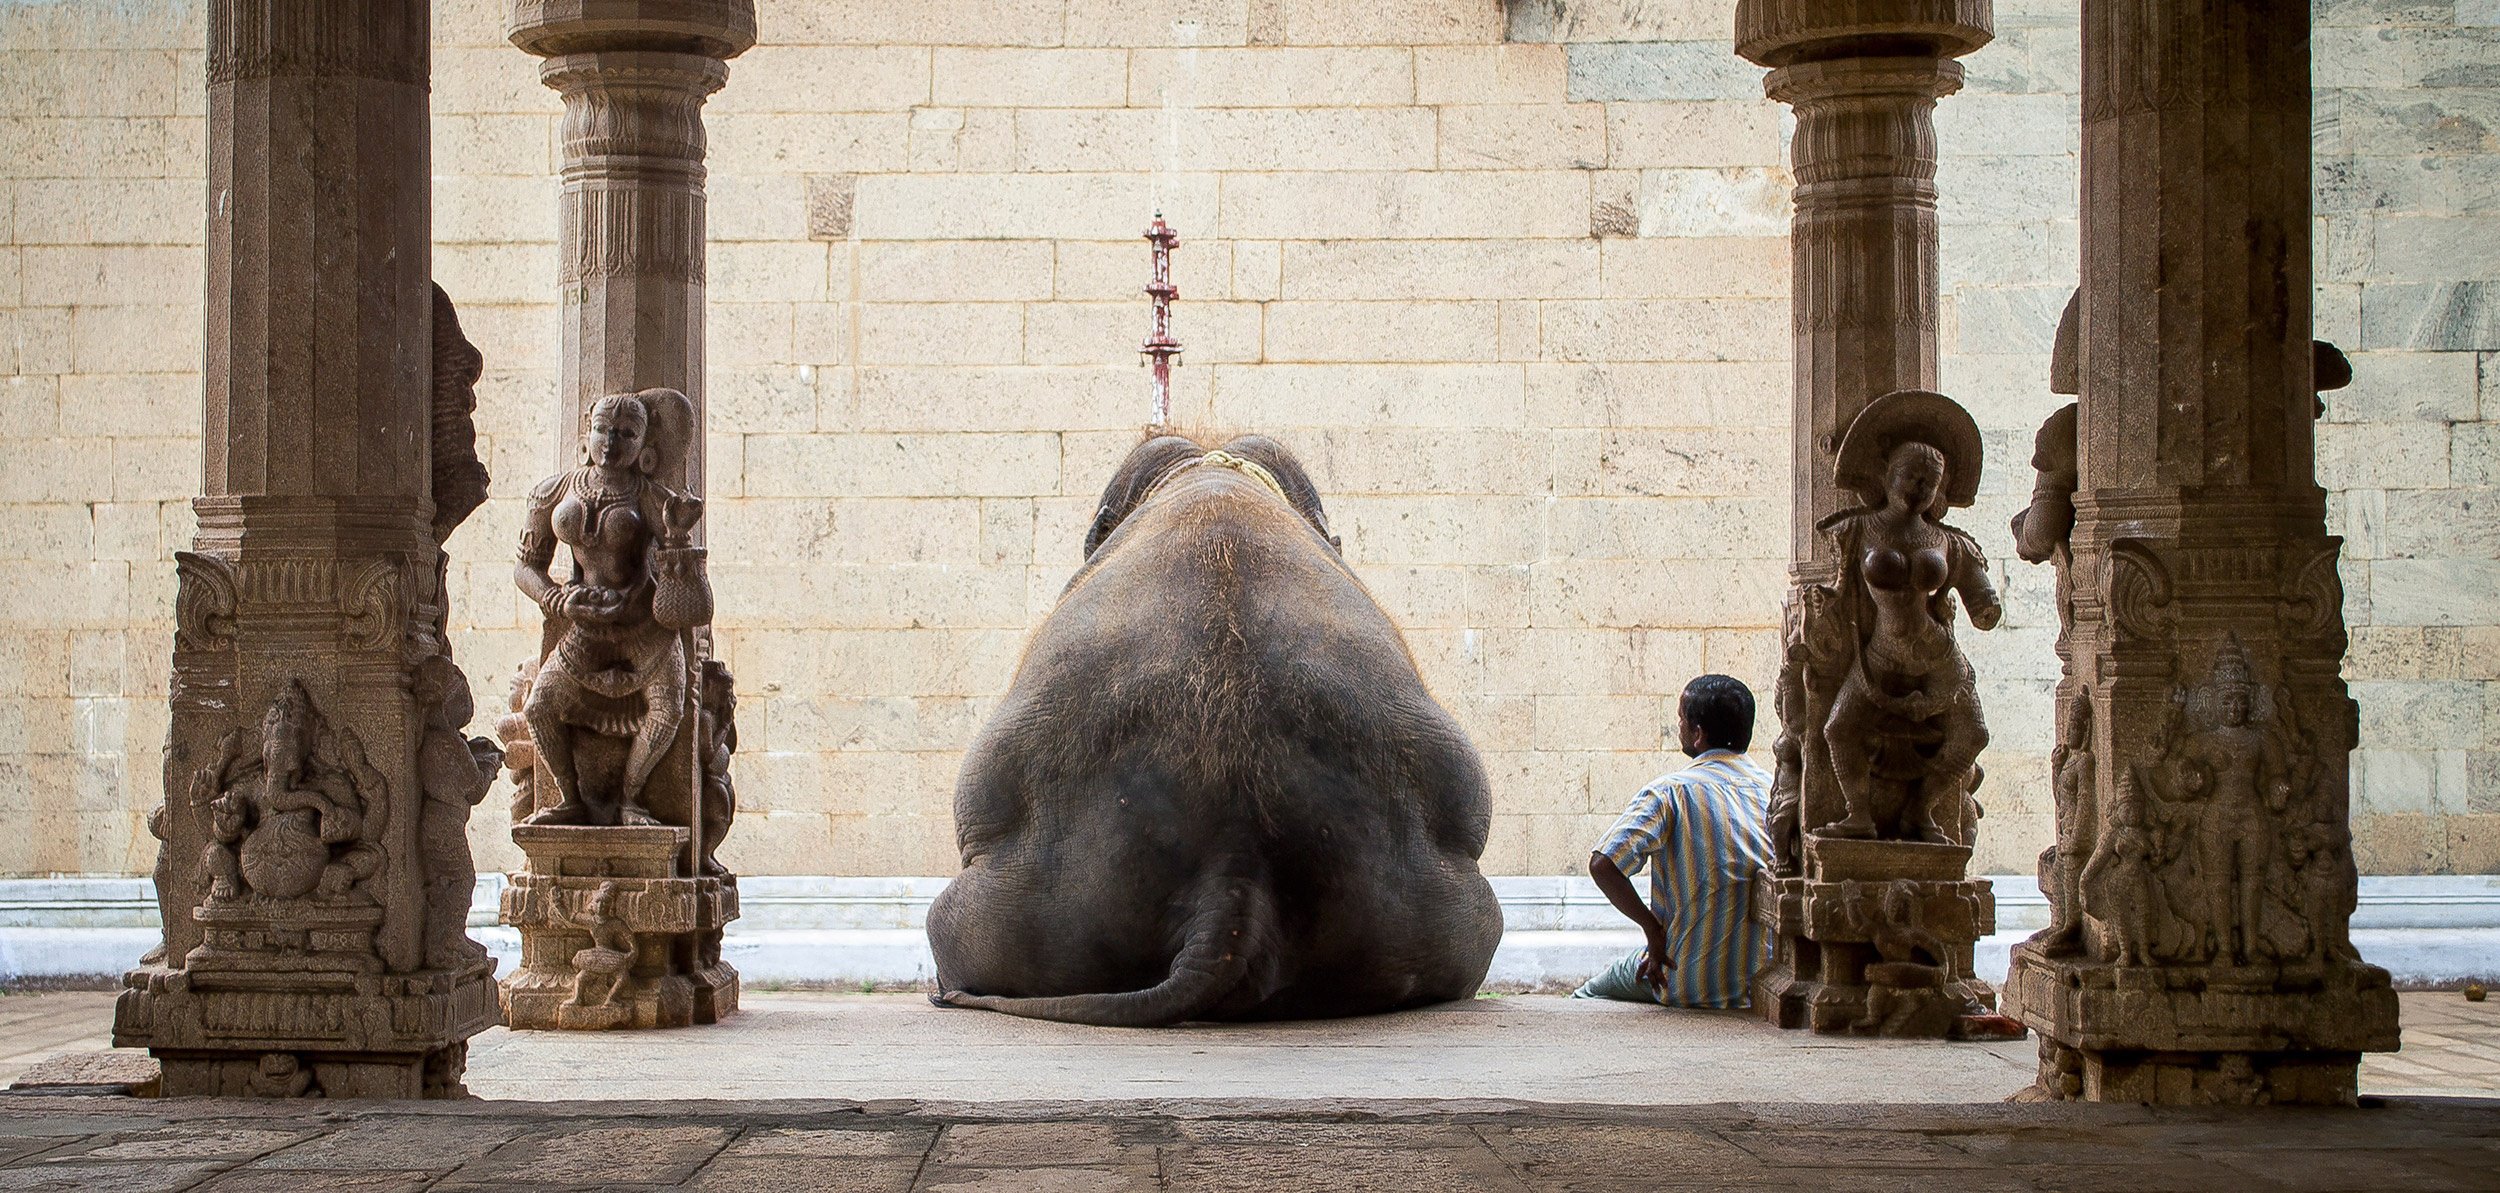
(595, 493)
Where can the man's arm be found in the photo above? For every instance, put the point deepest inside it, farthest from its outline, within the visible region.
(1619, 891)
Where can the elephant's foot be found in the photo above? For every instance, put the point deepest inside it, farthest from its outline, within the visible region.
(631, 814)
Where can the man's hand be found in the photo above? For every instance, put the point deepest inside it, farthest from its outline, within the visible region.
(1654, 966)
(1618, 891)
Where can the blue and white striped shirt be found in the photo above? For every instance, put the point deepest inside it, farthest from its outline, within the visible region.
(1703, 828)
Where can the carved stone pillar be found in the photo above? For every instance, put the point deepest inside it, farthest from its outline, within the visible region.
(634, 75)
(314, 874)
(628, 720)
(1864, 77)
(2206, 722)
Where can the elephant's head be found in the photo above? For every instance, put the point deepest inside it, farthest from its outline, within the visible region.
(1161, 456)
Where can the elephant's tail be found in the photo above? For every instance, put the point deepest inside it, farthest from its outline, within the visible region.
(1231, 925)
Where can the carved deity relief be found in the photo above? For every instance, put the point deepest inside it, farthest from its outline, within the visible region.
(1909, 991)
(1879, 702)
(2222, 849)
(599, 968)
(282, 1075)
(618, 682)
(296, 810)
(520, 756)
(455, 771)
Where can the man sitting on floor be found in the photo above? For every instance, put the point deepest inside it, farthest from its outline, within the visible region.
(1699, 831)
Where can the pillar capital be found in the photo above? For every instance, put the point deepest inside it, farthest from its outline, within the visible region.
(1786, 32)
(717, 29)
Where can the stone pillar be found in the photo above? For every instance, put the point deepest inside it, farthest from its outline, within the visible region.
(2205, 723)
(634, 75)
(1864, 77)
(314, 876)
(1866, 850)
(628, 720)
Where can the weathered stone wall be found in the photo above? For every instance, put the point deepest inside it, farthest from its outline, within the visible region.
(1514, 283)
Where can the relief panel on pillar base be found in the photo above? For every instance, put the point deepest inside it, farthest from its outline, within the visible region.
(621, 736)
(295, 973)
(1873, 804)
(613, 934)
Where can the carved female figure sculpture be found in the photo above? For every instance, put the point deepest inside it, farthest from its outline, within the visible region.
(619, 665)
(1909, 455)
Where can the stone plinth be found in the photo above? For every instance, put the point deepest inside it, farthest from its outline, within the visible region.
(1875, 938)
(294, 1032)
(2212, 1033)
(615, 933)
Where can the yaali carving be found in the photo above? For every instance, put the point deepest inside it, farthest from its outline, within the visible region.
(204, 603)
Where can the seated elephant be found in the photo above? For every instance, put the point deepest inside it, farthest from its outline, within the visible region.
(1217, 788)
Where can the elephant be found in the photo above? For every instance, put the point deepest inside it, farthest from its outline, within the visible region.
(1217, 787)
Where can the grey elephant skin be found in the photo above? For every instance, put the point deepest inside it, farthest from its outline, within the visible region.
(1217, 788)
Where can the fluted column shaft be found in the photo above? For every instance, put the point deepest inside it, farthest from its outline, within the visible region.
(634, 75)
(1863, 248)
(633, 229)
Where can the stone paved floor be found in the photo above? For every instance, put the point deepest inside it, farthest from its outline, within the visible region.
(117, 1145)
(863, 1047)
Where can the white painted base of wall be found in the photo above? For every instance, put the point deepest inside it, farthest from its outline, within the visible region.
(868, 931)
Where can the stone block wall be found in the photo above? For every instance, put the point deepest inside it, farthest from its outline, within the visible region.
(1511, 279)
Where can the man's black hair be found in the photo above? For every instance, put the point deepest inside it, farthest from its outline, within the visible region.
(1721, 706)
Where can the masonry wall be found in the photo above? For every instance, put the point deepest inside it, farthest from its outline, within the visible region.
(1512, 281)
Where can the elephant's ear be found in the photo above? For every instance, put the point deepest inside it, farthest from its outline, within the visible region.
(1146, 463)
(1106, 520)
(1290, 476)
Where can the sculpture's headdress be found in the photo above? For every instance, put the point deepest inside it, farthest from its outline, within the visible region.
(2232, 670)
(1911, 416)
(667, 432)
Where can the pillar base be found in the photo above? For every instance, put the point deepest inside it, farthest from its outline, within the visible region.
(670, 976)
(1855, 941)
(309, 1033)
(2201, 1034)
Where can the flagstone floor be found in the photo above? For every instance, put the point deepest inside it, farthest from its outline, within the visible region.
(1527, 1047)
(886, 1094)
(122, 1145)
